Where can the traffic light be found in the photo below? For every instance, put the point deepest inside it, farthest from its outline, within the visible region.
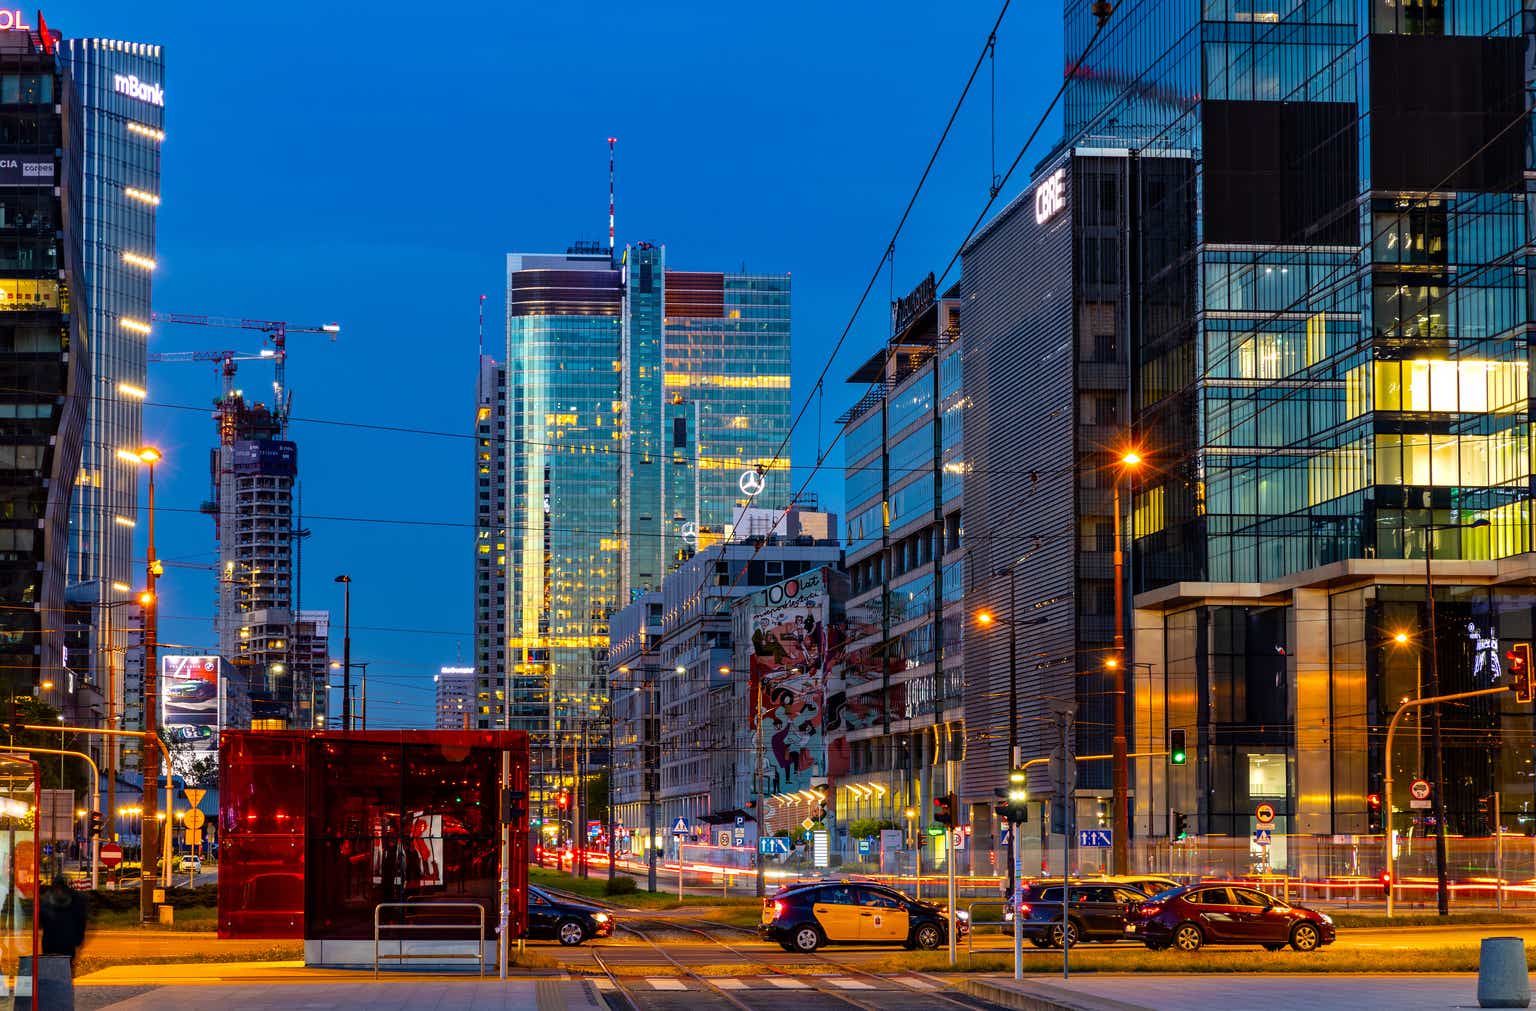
(1177, 754)
(1018, 796)
(1386, 884)
(1180, 825)
(1519, 657)
(1373, 812)
(944, 810)
(564, 800)
(95, 824)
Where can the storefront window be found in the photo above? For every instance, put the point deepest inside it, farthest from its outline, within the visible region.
(1266, 775)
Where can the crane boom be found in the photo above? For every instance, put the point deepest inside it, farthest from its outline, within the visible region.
(209, 356)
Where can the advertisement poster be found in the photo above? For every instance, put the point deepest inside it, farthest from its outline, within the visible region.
(190, 701)
(791, 645)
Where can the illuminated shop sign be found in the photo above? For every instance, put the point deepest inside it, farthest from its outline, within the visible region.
(13, 21)
(1051, 196)
(26, 170)
(127, 84)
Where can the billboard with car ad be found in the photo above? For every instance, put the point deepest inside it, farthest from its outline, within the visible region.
(191, 704)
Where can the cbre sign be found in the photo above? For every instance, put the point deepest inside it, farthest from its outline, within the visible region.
(1051, 196)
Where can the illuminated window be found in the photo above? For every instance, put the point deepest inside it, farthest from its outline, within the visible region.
(1150, 515)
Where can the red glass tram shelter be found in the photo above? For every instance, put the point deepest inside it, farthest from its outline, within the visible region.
(325, 833)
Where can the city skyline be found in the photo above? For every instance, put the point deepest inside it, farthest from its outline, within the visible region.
(285, 238)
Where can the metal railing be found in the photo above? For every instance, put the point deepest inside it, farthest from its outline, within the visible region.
(402, 956)
(1002, 911)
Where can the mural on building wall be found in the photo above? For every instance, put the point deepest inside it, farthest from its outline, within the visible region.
(792, 643)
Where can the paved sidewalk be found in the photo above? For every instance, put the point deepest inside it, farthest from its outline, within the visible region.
(405, 995)
(1220, 992)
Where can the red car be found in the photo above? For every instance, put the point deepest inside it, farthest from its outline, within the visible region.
(1215, 913)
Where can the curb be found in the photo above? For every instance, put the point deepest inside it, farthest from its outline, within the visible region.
(1035, 996)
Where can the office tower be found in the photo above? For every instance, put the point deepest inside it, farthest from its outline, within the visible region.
(454, 688)
(490, 710)
(121, 90)
(905, 478)
(44, 359)
(706, 362)
(564, 323)
(1305, 224)
(253, 472)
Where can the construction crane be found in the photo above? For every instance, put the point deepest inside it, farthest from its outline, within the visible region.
(276, 331)
(225, 359)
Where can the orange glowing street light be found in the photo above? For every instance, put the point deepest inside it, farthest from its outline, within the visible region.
(985, 618)
(1400, 638)
(1131, 458)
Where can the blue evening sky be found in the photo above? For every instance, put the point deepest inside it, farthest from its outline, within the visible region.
(371, 163)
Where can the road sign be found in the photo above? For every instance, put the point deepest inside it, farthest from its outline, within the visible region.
(111, 854)
(1262, 836)
(1003, 838)
(193, 837)
(1419, 789)
(195, 796)
(740, 821)
(821, 848)
(1101, 838)
(680, 826)
(1265, 813)
(808, 824)
(723, 837)
(195, 819)
(935, 830)
(957, 839)
(774, 845)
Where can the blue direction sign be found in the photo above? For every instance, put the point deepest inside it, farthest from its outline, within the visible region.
(1096, 837)
(1262, 836)
(680, 826)
(774, 845)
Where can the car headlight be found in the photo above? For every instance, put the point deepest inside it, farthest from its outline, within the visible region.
(961, 914)
(600, 917)
(1325, 918)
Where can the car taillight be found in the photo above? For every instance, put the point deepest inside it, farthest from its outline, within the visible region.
(778, 908)
(1150, 910)
(1024, 908)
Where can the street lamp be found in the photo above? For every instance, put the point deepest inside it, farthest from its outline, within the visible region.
(987, 619)
(1120, 820)
(346, 651)
(149, 845)
(1437, 754)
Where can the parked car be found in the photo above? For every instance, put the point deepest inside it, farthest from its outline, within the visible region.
(1098, 912)
(1149, 884)
(190, 864)
(805, 917)
(565, 921)
(1214, 913)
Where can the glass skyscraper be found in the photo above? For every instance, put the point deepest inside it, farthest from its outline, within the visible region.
(706, 373)
(1312, 221)
(121, 88)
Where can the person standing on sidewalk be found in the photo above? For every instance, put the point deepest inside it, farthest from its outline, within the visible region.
(61, 913)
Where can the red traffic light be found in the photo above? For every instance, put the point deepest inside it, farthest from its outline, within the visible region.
(564, 800)
(1373, 799)
(1386, 883)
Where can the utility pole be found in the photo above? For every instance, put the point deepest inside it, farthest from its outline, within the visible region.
(346, 651)
(149, 761)
(652, 774)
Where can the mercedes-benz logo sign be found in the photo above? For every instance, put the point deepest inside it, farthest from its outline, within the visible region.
(751, 483)
(690, 532)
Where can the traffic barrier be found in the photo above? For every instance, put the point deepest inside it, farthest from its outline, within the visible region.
(1002, 909)
(1502, 978)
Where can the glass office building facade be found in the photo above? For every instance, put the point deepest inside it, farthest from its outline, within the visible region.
(121, 88)
(706, 394)
(1329, 379)
(44, 365)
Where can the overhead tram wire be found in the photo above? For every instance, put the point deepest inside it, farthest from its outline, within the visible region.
(991, 199)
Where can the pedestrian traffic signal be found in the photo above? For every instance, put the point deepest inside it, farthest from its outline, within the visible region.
(1519, 657)
(1180, 825)
(95, 824)
(944, 809)
(1177, 755)
(1386, 884)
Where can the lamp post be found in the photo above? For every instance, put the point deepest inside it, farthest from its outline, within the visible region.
(1120, 820)
(1436, 752)
(149, 764)
(986, 619)
(346, 651)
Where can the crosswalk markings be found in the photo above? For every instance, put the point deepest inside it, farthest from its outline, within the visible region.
(662, 983)
(786, 983)
(604, 983)
(729, 984)
(915, 983)
(848, 984)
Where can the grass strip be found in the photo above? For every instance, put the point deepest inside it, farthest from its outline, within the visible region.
(1218, 960)
(1428, 919)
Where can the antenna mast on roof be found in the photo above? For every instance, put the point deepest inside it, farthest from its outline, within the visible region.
(611, 141)
(482, 326)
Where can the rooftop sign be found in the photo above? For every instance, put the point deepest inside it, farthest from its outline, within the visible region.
(127, 84)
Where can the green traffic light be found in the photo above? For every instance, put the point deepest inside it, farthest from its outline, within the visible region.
(1177, 758)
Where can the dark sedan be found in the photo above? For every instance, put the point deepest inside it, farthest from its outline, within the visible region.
(565, 921)
(1098, 913)
(1211, 913)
